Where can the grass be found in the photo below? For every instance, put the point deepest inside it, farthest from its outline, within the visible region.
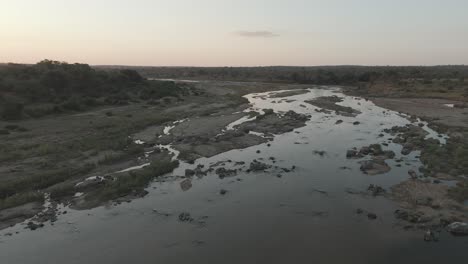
(20, 199)
(110, 134)
(450, 158)
(40, 181)
(133, 181)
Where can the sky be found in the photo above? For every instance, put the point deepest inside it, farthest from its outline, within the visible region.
(235, 32)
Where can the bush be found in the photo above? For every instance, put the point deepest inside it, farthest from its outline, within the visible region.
(12, 110)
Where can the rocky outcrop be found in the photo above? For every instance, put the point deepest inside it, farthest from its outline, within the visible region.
(374, 166)
(329, 103)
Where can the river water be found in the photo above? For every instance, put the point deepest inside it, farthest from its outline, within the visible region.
(306, 216)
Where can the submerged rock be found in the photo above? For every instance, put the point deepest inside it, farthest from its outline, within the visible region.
(258, 166)
(352, 153)
(185, 217)
(376, 190)
(186, 184)
(189, 172)
(223, 172)
(371, 216)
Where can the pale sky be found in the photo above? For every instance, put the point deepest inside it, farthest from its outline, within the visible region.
(235, 32)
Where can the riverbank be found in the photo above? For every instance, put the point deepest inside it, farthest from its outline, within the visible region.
(55, 155)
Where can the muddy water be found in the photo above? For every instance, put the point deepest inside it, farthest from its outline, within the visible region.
(306, 216)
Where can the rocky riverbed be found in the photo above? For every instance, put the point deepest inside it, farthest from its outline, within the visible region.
(295, 173)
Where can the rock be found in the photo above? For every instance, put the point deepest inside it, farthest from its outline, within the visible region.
(458, 228)
(374, 167)
(338, 122)
(352, 153)
(299, 117)
(258, 151)
(376, 190)
(199, 172)
(321, 153)
(223, 192)
(258, 166)
(223, 172)
(189, 172)
(186, 184)
(429, 236)
(365, 151)
(356, 123)
(413, 174)
(359, 211)
(371, 216)
(185, 217)
(33, 226)
(406, 151)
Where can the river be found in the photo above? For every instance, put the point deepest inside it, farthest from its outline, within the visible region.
(307, 215)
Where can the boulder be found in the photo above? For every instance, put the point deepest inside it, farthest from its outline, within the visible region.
(352, 153)
(458, 228)
(374, 167)
(189, 172)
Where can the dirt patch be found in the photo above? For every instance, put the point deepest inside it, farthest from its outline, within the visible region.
(429, 109)
(426, 205)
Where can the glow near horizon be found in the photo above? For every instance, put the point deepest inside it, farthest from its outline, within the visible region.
(235, 33)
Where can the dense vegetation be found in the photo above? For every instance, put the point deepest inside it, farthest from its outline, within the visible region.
(312, 75)
(51, 87)
(448, 82)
